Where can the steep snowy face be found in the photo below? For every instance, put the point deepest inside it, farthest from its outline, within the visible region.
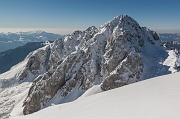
(173, 48)
(110, 56)
(61, 48)
(123, 52)
(122, 62)
(62, 65)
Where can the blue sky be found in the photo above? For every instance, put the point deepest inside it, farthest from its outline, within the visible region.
(65, 16)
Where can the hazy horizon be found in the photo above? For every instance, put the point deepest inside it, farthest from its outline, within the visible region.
(69, 31)
(66, 16)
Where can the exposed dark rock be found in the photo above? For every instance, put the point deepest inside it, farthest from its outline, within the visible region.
(110, 57)
(12, 57)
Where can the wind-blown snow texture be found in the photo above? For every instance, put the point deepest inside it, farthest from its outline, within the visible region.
(156, 98)
(118, 53)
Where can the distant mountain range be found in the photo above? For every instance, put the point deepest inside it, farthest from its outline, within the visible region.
(169, 36)
(116, 54)
(12, 40)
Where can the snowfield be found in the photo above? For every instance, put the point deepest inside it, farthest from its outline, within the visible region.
(67, 78)
(156, 98)
(171, 60)
(11, 91)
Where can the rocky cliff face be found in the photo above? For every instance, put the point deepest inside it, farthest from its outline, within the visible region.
(10, 58)
(110, 56)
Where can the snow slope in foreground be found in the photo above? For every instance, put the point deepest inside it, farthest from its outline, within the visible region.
(12, 92)
(156, 98)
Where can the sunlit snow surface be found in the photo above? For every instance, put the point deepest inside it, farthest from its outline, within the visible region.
(11, 92)
(156, 98)
(148, 99)
(170, 61)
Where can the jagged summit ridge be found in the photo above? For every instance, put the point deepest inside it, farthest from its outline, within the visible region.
(121, 19)
(111, 56)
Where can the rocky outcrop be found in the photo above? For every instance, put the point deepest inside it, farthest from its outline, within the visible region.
(10, 58)
(109, 56)
(36, 65)
(155, 35)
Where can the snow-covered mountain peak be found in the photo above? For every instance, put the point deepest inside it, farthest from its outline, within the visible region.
(92, 28)
(117, 54)
(32, 32)
(37, 31)
(110, 56)
(127, 28)
(122, 21)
